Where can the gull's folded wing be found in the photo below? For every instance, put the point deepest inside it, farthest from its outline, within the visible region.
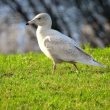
(64, 48)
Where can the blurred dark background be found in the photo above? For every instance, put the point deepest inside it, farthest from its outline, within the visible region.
(86, 21)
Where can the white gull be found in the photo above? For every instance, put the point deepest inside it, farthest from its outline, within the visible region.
(57, 46)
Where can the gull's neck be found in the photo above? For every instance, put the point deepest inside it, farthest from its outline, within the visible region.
(42, 31)
(45, 27)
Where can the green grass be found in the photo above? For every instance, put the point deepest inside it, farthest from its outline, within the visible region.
(27, 83)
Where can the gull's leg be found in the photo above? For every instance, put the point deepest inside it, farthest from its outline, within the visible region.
(54, 67)
(75, 66)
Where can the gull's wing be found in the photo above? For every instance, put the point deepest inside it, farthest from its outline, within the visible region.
(64, 48)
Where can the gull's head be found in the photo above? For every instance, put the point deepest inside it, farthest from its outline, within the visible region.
(42, 19)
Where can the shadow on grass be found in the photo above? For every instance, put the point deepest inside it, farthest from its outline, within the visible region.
(6, 75)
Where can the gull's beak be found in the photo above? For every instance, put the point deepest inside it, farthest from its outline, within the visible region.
(28, 23)
(31, 22)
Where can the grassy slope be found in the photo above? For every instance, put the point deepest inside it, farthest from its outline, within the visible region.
(26, 83)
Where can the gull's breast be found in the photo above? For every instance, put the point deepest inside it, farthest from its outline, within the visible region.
(43, 48)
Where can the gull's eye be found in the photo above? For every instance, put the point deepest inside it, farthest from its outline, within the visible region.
(38, 18)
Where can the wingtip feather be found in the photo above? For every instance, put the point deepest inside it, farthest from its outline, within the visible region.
(99, 64)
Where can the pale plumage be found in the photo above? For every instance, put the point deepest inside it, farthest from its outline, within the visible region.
(58, 46)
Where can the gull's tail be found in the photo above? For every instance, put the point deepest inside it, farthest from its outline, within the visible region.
(91, 61)
(95, 63)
